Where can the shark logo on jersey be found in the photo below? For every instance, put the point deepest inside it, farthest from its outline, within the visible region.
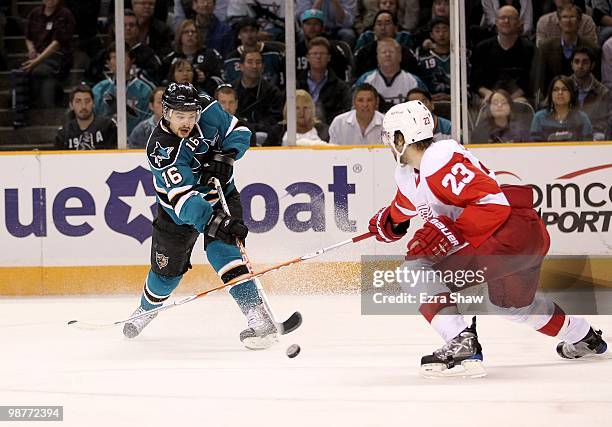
(160, 153)
(131, 205)
(161, 260)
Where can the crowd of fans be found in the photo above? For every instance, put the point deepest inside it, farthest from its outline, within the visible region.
(538, 70)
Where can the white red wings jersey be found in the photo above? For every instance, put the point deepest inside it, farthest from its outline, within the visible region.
(451, 182)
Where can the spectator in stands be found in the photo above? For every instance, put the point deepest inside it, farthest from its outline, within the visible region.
(309, 129)
(548, 25)
(181, 71)
(183, 10)
(274, 60)
(363, 124)
(141, 133)
(553, 57)
(270, 15)
(226, 95)
(339, 17)
(391, 82)
(406, 11)
(260, 101)
(606, 64)
(152, 31)
(435, 62)
(524, 7)
(146, 64)
(593, 97)
(138, 93)
(331, 95)
(341, 55)
(602, 15)
(561, 120)
(214, 33)
(85, 130)
(160, 12)
(503, 61)
(439, 8)
(498, 123)
(442, 126)
(48, 38)
(385, 27)
(206, 62)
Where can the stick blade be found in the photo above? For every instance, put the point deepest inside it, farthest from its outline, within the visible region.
(292, 323)
(89, 326)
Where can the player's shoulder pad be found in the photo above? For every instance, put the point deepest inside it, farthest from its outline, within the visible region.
(162, 148)
(205, 100)
(439, 154)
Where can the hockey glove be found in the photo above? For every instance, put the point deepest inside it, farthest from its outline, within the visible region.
(383, 228)
(226, 228)
(220, 166)
(435, 240)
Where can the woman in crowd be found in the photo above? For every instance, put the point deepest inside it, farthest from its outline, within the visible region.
(561, 120)
(310, 130)
(499, 123)
(206, 63)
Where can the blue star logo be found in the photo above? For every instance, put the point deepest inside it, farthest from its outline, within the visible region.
(160, 153)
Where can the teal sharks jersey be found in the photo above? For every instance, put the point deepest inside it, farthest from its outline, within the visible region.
(176, 163)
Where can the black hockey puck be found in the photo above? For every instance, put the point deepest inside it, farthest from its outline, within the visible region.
(71, 322)
(293, 350)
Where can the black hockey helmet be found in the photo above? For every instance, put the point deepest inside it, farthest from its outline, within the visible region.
(180, 97)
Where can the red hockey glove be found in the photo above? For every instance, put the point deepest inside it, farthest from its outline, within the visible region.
(437, 237)
(383, 229)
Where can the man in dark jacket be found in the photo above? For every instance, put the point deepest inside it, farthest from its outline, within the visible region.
(554, 55)
(331, 95)
(260, 101)
(85, 131)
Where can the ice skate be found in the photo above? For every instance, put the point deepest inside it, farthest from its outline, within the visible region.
(591, 344)
(262, 332)
(461, 357)
(135, 327)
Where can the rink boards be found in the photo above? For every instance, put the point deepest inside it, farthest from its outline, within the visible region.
(81, 222)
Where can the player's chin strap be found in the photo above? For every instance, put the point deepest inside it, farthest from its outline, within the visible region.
(390, 141)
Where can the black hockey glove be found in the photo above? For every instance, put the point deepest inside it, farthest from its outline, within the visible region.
(226, 228)
(220, 166)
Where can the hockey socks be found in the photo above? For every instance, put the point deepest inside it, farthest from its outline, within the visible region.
(157, 289)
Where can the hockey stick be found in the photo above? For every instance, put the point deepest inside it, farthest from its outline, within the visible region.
(295, 320)
(235, 281)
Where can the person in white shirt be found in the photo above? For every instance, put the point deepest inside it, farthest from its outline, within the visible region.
(363, 124)
(391, 82)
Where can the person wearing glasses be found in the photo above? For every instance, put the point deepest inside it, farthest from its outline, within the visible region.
(553, 57)
(561, 120)
(206, 62)
(548, 25)
(525, 8)
(513, 55)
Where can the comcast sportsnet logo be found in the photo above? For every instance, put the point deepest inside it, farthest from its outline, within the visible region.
(575, 202)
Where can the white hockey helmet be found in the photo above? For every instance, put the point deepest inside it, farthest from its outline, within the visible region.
(413, 119)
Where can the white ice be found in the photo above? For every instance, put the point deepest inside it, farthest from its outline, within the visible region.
(188, 368)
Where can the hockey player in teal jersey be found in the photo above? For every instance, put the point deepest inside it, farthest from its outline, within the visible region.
(194, 141)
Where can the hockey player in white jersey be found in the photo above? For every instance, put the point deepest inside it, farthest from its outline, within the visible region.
(468, 216)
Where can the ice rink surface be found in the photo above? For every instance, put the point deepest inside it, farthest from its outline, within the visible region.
(188, 368)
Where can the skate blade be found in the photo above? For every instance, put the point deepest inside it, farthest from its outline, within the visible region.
(260, 343)
(471, 368)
